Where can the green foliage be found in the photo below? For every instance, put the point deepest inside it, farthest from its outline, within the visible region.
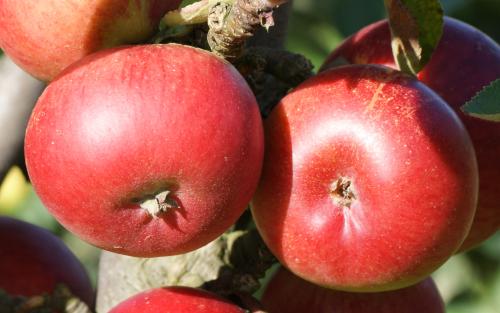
(187, 2)
(484, 14)
(416, 27)
(312, 37)
(486, 103)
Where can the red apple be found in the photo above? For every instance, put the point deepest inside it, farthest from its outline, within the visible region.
(287, 293)
(463, 63)
(45, 36)
(369, 180)
(33, 261)
(176, 300)
(148, 151)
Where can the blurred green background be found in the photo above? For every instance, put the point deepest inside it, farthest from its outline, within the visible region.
(469, 283)
(317, 26)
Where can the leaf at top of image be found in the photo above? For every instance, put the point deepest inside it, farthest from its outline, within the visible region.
(416, 27)
(486, 103)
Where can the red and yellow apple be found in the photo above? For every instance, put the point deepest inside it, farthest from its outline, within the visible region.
(45, 36)
(176, 300)
(33, 262)
(287, 293)
(148, 150)
(464, 61)
(369, 180)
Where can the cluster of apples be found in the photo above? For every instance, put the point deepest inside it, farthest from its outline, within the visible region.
(362, 179)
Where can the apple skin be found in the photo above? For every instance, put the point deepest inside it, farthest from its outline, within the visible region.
(131, 122)
(33, 261)
(45, 36)
(176, 300)
(464, 61)
(411, 169)
(281, 296)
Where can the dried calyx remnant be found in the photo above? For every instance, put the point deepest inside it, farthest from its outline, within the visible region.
(271, 73)
(342, 192)
(159, 203)
(246, 260)
(231, 24)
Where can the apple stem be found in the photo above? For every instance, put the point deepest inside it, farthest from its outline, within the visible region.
(160, 203)
(342, 192)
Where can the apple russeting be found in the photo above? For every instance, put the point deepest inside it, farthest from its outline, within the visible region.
(176, 300)
(33, 262)
(464, 61)
(369, 180)
(147, 150)
(287, 293)
(46, 36)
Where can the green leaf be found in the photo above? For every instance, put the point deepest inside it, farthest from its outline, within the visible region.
(486, 103)
(416, 26)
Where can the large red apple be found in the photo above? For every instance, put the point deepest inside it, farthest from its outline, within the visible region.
(176, 300)
(463, 63)
(33, 262)
(287, 293)
(369, 180)
(45, 36)
(148, 151)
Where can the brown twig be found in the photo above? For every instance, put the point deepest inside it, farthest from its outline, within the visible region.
(232, 24)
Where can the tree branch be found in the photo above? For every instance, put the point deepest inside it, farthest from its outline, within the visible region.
(231, 25)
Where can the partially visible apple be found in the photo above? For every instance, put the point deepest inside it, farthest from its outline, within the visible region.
(176, 300)
(45, 36)
(33, 261)
(369, 180)
(287, 293)
(464, 61)
(150, 150)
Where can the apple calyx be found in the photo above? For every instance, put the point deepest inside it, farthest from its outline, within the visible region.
(342, 192)
(159, 203)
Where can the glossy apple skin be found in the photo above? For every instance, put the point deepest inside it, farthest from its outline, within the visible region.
(33, 261)
(176, 300)
(287, 293)
(463, 63)
(130, 122)
(412, 171)
(46, 36)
